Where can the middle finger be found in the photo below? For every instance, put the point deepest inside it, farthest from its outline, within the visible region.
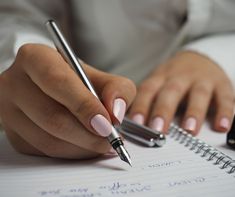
(166, 103)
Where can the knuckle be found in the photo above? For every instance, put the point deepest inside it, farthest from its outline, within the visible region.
(147, 86)
(131, 85)
(25, 51)
(203, 90)
(162, 109)
(58, 121)
(175, 87)
(52, 78)
(84, 107)
(125, 82)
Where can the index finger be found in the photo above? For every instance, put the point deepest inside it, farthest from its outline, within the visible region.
(48, 70)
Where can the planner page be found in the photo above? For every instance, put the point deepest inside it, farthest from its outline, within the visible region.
(172, 170)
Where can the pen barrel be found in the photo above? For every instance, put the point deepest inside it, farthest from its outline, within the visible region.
(117, 142)
(68, 54)
(141, 133)
(113, 137)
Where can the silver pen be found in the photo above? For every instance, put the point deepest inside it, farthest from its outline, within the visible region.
(68, 54)
(141, 134)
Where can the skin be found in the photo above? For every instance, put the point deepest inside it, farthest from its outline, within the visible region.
(46, 109)
(44, 113)
(188, 77)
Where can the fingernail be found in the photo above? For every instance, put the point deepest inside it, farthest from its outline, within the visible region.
(101, 125)
(190, 124)
(224, 123)
(138, 118)
(119, 109)
(157, 124)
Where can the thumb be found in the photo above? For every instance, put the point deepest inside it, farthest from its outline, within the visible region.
(115, 92)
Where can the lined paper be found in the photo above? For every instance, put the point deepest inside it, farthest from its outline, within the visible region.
(172, 170)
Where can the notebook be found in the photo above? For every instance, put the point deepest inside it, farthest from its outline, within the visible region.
(185, 166)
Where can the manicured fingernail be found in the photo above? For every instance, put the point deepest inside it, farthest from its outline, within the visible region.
(157, 124)
(138, 118)
(224, 123)
(101, 125)
(119, 109)
(190, 124)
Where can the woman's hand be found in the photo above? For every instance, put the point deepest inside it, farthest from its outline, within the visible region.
(190, 77)
(47, 110)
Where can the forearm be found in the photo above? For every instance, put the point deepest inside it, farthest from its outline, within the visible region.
(220, 49)
(211, 24)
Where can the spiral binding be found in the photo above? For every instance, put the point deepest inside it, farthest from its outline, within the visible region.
(201, 148)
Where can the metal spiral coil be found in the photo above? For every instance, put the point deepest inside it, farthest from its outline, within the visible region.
(201, 148)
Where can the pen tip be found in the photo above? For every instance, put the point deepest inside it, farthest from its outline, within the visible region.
(129, 162)
(123, 154)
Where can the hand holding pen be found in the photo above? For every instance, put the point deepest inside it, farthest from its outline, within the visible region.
(98, 121)
(46, 109)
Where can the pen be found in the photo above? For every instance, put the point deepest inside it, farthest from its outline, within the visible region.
(68, 54)
(231, 135)
(141, 134)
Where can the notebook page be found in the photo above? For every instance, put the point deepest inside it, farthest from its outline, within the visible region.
(172, 170)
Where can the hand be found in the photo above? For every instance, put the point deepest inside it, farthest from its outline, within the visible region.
(188, 76)
(47, 110)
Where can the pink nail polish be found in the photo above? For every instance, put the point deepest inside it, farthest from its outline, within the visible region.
(224, 123)
(138, 118)
(119, 109)
(190, 124)
(157, 124)
(101, 125)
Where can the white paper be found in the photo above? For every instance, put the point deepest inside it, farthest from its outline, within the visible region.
(172, 170)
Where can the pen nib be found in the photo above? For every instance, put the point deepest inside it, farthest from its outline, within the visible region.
(123, 154)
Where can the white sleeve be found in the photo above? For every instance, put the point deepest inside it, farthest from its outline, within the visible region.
(21, 22)
(220, 49)
(12, 42)
(210, 17)
(211, 31)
